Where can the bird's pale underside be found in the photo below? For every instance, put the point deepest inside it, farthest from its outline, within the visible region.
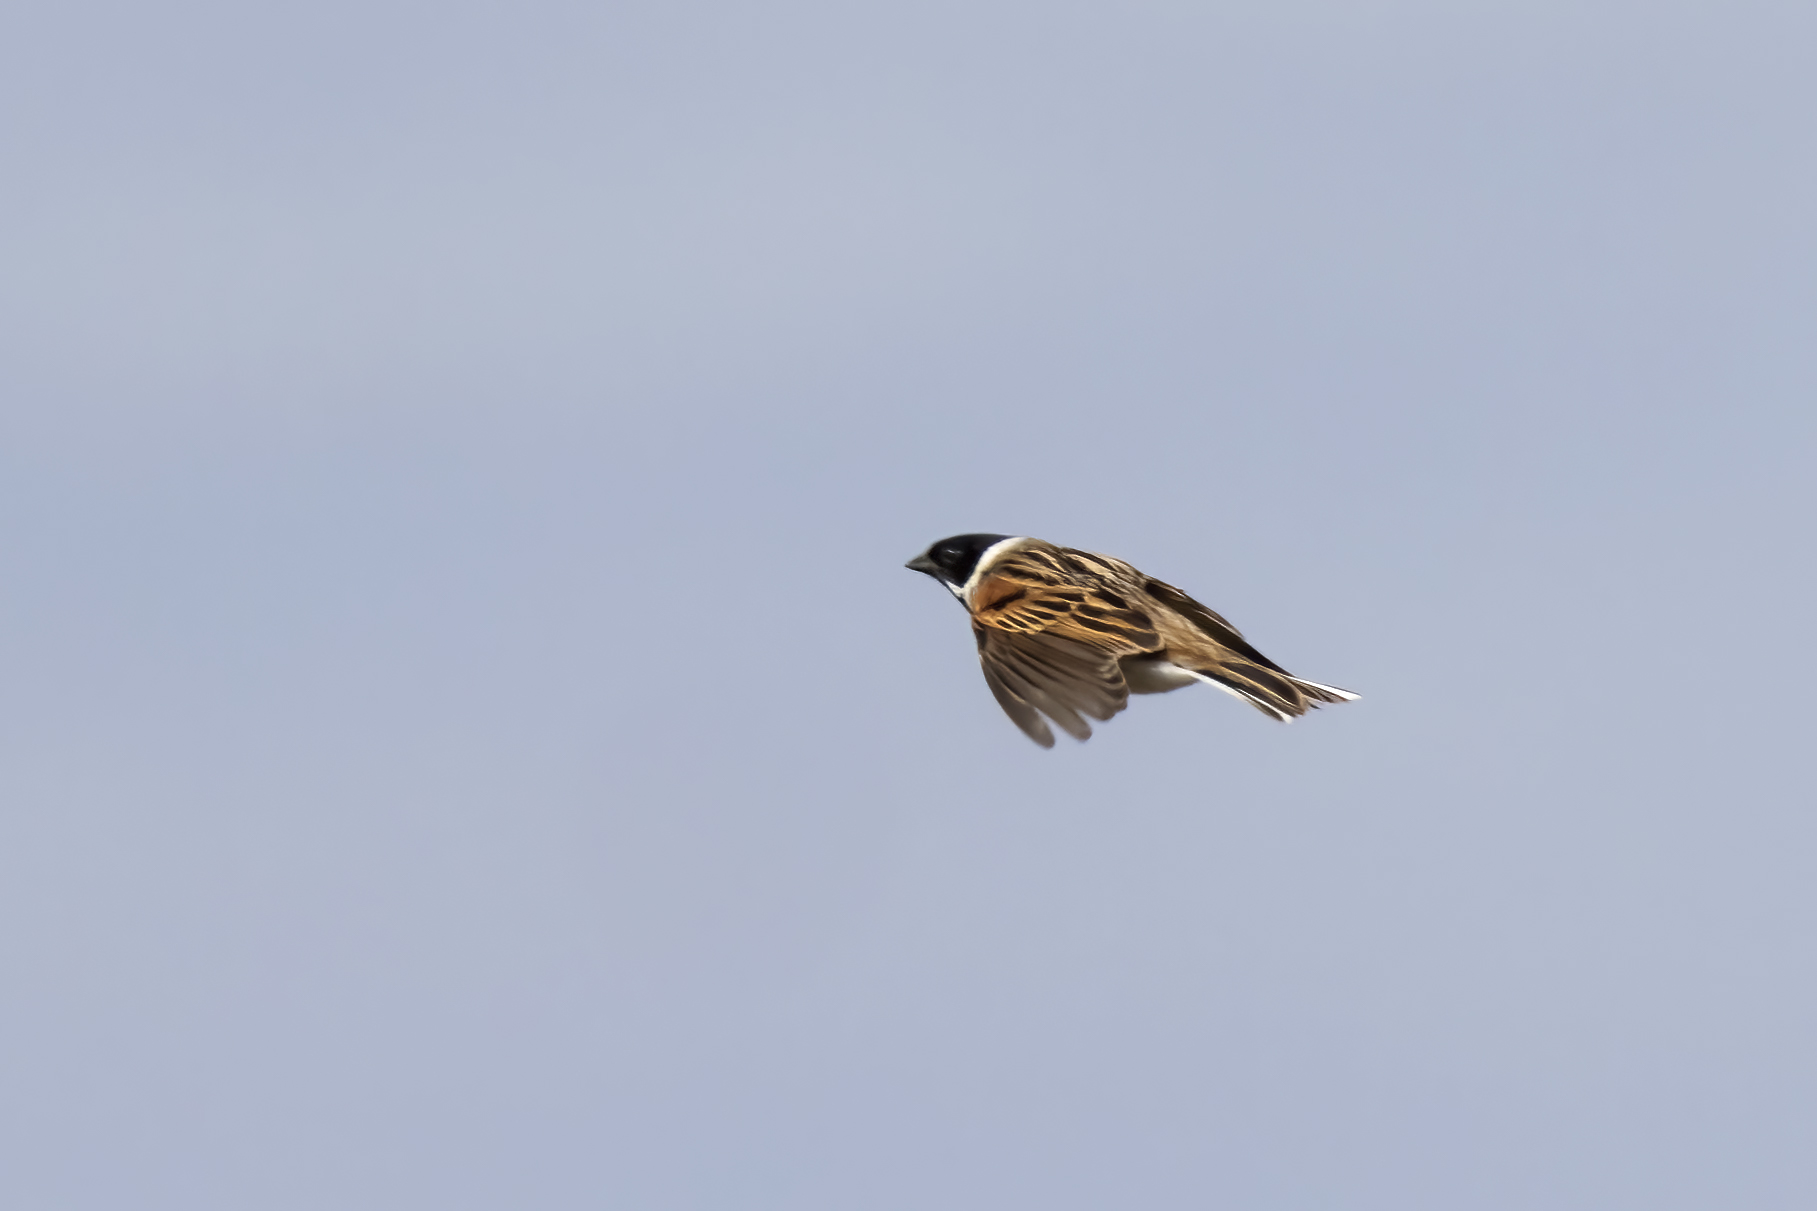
(1069, 635)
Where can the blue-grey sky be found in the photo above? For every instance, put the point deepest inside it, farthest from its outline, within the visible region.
(467, 739)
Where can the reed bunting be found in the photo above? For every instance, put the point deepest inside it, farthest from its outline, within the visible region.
(1066, 633)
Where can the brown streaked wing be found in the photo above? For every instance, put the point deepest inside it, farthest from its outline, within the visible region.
(1024, 598)
(1035, 674)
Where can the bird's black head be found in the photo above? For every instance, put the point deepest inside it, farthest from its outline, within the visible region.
(952, 560)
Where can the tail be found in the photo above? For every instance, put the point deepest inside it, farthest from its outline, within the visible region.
(1276, 694)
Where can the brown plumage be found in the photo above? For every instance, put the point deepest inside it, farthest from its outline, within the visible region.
(1068, 635)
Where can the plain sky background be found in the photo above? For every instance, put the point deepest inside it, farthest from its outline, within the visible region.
(467, 740)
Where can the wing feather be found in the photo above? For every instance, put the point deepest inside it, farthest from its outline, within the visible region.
(1020, 712)
(1020, 595)
(1049, 638)
(1041, 674)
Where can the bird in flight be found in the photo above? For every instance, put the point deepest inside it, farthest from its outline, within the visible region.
(1066, 633)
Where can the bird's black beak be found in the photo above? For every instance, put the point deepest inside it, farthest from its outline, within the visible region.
(921, 563)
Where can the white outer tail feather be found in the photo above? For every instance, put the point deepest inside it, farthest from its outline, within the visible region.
(1283, 716)
(1240, 696)
(1346, 695)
